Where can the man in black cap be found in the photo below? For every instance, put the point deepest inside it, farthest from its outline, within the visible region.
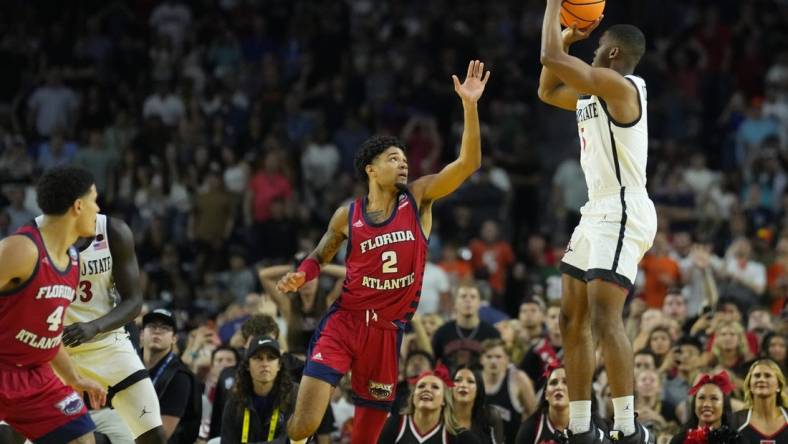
(176, 386)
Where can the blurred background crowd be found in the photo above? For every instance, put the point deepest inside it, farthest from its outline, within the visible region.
(223, 133)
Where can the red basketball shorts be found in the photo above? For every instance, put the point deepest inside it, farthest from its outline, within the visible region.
(36, 403)
(358, 342)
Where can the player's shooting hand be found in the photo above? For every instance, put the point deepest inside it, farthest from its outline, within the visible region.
(79, 333)
(291, 281)
(96, 393)
(472, 88)
(573, 34)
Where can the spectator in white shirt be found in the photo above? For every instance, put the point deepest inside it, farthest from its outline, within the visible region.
(164, 104)
(52, 106)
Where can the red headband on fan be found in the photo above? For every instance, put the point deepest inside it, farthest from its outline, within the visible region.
(440, 372)
(721, 380)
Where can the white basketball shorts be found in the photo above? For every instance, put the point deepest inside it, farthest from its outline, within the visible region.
(615, 231)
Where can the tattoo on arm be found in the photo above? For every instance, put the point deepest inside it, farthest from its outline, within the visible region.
(328, 246)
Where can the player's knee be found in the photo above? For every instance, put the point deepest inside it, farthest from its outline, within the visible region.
(572, 322)
(605, 322)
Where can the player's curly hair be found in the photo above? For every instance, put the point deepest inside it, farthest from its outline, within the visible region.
(370, 149)
(58, 188)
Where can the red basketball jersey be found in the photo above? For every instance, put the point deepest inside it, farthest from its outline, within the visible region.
(31, 315)
(385, 261)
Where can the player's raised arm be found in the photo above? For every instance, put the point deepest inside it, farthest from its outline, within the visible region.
(18, 257)
(575, 73)
(552, 90)
(435, 186)
(126, 274)
(326, 250)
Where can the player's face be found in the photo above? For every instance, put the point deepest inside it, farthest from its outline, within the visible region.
(464, 386)
(708, 405)
(264, 366)
(428, 394)
(556, 390)
(87, 209)
(763, 382)
(389, 168)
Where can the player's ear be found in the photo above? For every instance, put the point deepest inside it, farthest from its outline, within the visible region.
(369, 169)
(614, 52)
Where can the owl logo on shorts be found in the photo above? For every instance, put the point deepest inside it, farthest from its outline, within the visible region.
(70, 405)
(380, 391)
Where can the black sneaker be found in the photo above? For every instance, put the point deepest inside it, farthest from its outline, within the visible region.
(641, 436)
(595, 435)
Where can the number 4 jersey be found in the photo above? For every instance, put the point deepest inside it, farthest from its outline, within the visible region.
(385, 261)
(31, 315)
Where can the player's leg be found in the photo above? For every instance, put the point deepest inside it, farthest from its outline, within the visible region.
(134, 400)
(607, 305)
(44, 409)
(374, 382)
(313, 398)
(607, 291)
(328, 359)
(138, 405)
(578, 351)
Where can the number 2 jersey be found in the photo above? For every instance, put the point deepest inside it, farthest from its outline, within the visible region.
(385, 261)
(31, 315)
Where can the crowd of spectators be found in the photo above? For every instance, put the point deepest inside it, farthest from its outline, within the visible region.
(223, 133)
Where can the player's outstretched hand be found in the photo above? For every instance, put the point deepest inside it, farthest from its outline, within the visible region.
(472, 88)
(79, 333)
(96, 393)
(291, 281)
(573, 34)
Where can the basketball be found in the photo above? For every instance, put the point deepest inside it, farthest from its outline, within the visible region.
(582, 12)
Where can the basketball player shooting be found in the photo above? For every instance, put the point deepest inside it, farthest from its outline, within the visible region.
(387, 234)
(618, 223)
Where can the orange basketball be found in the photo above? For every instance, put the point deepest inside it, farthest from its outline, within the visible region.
(582, 12)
